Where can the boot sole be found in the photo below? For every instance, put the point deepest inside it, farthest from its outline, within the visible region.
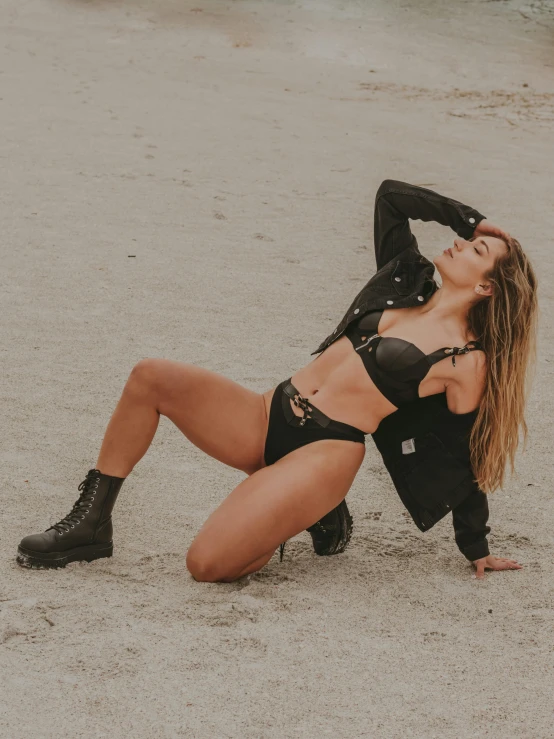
(54, 560)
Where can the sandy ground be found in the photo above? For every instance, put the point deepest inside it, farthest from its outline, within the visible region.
(234, 148)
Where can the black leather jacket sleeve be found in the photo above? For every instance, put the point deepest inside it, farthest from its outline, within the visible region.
(396, 202)
(470, 524)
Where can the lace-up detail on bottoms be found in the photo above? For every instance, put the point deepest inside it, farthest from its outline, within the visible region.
(82, 505)
(303, 403)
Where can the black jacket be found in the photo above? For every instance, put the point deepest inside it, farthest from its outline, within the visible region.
(431, 471)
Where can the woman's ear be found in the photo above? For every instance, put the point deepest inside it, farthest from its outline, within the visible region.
(484, 288)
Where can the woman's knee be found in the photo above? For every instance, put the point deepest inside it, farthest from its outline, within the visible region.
(146, 376)
(203, 567)
(145, 370)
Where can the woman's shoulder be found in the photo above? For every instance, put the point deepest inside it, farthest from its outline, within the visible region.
(466, 382)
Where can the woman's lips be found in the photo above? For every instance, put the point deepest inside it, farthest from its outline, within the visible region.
(450, 252)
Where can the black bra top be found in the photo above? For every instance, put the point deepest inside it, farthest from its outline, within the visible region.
(396, 366)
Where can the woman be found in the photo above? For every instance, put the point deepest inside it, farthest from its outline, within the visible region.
(302, 443)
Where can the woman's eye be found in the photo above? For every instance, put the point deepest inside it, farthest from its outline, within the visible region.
(477, 251)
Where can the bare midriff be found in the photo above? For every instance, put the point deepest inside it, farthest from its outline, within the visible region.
(337, 383)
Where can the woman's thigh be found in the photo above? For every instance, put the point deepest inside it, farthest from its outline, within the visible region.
(218, 415)
(272, 505)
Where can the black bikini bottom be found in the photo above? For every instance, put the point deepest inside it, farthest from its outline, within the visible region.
(287, 431)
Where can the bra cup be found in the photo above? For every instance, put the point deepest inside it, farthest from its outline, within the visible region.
(401, 360)
(395, 357)
(370, 322)
(396, 366)
(398, 387)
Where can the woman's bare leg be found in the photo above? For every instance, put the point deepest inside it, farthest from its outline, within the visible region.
(131, 428)
(252, 567)
(224, 419)
(272, 505)
(229, 422)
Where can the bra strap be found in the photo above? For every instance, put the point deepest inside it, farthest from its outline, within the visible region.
(439, 354)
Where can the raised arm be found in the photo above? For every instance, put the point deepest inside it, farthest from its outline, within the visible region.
(396, 202)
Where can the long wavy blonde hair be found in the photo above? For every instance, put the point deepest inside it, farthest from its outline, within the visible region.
(506, 324)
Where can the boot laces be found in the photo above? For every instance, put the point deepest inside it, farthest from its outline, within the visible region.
(82, 505)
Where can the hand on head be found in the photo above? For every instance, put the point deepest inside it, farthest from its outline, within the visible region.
(486, 228)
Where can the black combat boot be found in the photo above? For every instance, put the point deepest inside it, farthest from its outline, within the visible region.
(331, 534)
(84, 534)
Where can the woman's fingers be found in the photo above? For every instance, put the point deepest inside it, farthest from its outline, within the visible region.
(480, 568)
(510, 561)
(487, 228)
(506, 564)
(494, 563)
(494, 231)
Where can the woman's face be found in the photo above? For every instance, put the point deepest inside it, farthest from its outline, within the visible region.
(465, 263)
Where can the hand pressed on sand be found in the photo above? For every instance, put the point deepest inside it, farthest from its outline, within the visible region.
(494, 563)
